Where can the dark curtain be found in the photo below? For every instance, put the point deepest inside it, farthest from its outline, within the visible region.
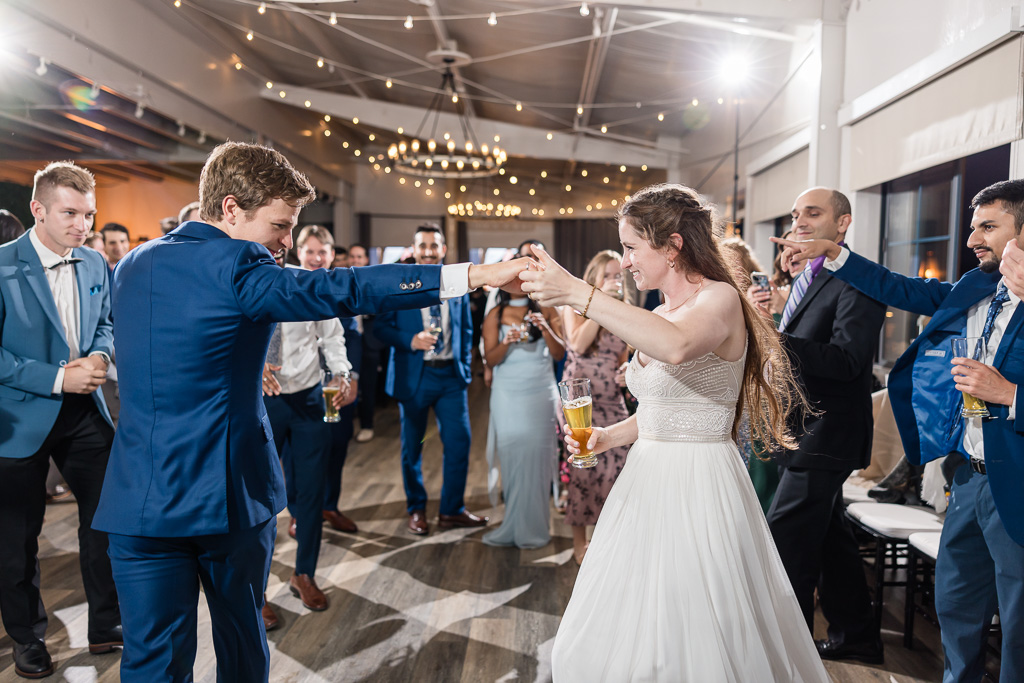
(577, 240)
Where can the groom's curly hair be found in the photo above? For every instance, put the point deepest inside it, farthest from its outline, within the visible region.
(770, 393)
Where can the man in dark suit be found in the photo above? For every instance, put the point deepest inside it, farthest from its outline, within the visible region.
(194, 487)
(55, 346)
(980, 563)
(432, 370)
(830, 331)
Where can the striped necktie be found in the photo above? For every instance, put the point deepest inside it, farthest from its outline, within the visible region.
(994, 308)
(800, 286)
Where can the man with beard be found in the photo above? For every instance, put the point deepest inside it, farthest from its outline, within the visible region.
(980, 564)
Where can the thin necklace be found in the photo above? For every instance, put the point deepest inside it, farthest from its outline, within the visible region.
(693, 294)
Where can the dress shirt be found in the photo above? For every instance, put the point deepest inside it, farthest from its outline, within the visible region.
(300, 356)
(62, 283)
(454, 280)
(446, 333)
(973, 443)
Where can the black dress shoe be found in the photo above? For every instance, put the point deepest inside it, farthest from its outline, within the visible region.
(105, 641)
(32, 660)
(869, 652)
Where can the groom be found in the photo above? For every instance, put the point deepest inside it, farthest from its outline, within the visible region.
(193, 487)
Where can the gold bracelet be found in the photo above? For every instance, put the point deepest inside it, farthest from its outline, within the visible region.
(589, 299)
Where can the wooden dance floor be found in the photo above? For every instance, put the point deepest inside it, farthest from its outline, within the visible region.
(403, 608)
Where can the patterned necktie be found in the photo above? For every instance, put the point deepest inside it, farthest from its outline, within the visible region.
(274, 350)
(435, 310)
(994, 308)
(800, 286)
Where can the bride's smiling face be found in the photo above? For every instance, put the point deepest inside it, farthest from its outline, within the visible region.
(647, 265)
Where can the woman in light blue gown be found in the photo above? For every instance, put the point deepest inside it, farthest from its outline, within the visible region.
(521, 341)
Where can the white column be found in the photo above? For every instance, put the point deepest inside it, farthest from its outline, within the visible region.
(830, 38)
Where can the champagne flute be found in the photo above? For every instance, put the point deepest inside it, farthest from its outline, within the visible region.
(577, 404)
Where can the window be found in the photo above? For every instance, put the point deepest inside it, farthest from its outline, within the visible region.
(919, 222)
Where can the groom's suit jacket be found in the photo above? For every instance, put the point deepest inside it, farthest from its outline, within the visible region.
(33, 345)
(924, 398)
(193, 314)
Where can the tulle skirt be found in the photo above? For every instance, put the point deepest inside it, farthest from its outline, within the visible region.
(682, 581)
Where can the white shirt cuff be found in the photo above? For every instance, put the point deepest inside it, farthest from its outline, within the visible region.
(839, 261)
(58, 384)
(1012, 413)
(454, 280)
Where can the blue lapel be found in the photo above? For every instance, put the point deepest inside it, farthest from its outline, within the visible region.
(1012, 329)
(972, 288)
(36, 278)
(87, 312)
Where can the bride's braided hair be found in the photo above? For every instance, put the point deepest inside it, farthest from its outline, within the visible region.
(770, 392)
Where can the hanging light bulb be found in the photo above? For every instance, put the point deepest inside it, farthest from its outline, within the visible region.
(327, 118)
(270, 85)
(455, 97)
(579, 111)
(408, 22)
(140, 109)
(320, 62)
(604, 129)
(238, 66)
(492, 20)
(519, 106)
(431, 145)
(584, 10)
(177, 3)
(262, 8)
(248, 36)
(661, 116)
(334, 19)
(387, 83)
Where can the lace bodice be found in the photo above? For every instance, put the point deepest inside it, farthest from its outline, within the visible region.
(694, 401)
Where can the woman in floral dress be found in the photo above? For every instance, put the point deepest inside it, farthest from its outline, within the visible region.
(595, 354)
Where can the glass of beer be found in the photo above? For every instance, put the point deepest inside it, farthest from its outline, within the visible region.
(331, 388)
(974, 348)
(577, 404)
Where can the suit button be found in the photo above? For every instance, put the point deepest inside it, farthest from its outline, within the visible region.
(418, 284)
(403, 286)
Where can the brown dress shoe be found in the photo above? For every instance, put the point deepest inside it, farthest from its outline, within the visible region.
(291, 528)
(418, 523)
(340, 522)
(303, 586)
(270, 621)
(463, 519)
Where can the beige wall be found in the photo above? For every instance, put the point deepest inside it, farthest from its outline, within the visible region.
(140, 204)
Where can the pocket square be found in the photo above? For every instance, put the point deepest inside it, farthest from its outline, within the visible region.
(95, 289)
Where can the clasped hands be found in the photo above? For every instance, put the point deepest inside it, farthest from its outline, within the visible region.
(540, 277)
(84, 375)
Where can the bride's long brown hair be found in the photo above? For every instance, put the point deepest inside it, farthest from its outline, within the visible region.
(769, 387)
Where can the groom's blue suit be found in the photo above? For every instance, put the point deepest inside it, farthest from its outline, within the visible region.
(194, 486)
(981, 554)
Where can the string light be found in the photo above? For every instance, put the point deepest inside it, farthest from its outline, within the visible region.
(308, 104)
(606, 179)
(334, 19)
(270, 85)
(543, 174)
(177, 3)
(550, 136)
(238, 66)
(604, 129)
(513, 179)
(355, 120)
(532, 191)
(372, 137)
(282, 94)
(408, 22)
(327, 118)
(583, 173)
(720, 100)
(694, 102)
(492, 20)
(644, 167)
(519, 106)
(248, 36)
(320, 62)
(579, 111)
(388, 83)
(327, 133)
(661, 116)
(584, 10)
(622, 168)
(568, 188)
(263, 8)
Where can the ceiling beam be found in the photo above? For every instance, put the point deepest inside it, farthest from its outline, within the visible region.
(516, 139)
(804, 11)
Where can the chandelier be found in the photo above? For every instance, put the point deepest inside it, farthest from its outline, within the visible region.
(444, 158)
(479, 208)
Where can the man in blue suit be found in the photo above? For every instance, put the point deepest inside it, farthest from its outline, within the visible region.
(194, 487)
(55, 346)
(431, 369)
(981, 554)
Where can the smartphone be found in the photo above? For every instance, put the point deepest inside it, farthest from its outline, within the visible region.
(759, 280)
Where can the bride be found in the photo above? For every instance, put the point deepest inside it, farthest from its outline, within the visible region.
(682, 581)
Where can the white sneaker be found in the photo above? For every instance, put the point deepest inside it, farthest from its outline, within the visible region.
(364, 435)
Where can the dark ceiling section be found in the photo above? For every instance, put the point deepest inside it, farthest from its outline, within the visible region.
(49, 113)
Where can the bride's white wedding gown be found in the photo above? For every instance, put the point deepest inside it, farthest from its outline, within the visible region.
(682, 581)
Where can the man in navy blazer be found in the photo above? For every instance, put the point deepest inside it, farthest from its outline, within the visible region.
(432, 370)
(55, 346)
(193, 487)
(980, 563)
